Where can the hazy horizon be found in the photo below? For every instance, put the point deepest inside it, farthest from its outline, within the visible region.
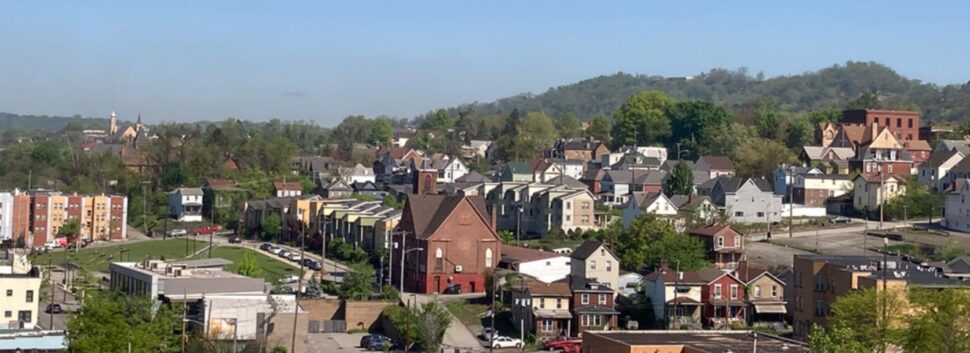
(321, 62)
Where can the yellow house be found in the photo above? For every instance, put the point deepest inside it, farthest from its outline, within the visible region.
(870, 191)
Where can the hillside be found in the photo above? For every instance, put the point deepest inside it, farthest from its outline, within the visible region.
(48, 123)
(830, 87)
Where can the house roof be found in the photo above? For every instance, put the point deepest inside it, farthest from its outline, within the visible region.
(732, 184)
(188, 191)
(636, 176)
(587, 249)
(938, 158)
(583, 284)
(221, 184)
(959, 265)
(338, 184)
(680, 201)
(875, 178)
(717, 162)
(960, 145)
(747, 271)
(962, 166)
(519, 167)
(713, 229)
(917, 145)
(669, 164)
(516, 254)
(426, 213)
(709, 274)
(645, 199)
(689, 277)
(474, 177)
(567, 181)
(594, 174)
(287, 186)
(539, 288)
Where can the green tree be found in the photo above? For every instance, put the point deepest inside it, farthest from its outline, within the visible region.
(825, 115)
(569, 126)
(861, 311)
(506, 236)
(684, 250)
(680, 181)
(835, 339)
(695, 120)
(381, 133)
(759, 157)
(867, 100)
(799, 133)
(272, 226)
(439, 121)
(392, 202)
(248, 266)
(599, 129)
(536, 131)
(402, 319)
(70, 230)
(642, 120)
(512, 123)
(314, 289)
(649, 239)
(109, 321)
(431, 320)
(942, 325)
(359, 282)
(916, 202)
(767, 119)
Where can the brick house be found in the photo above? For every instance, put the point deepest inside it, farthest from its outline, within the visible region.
(592, 306)
(815, 189)
(724, 298)
(457, 241)
(903, 124)
(766, 293)
(543, 308)
(723, 244)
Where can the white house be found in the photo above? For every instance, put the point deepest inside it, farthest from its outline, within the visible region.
(956, 210)
(287, 189)
(357, 174)
(6, 216)
(185, 204)
(548, 169)
(933, 172)
(545, 266)
(870, 192)
(647, 202)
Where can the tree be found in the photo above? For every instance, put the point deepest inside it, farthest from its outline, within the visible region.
(536, 131)
(272, 226)
(686, 251)
(861, 311)
(506, 236)
(650, 239)
(825, 115)
(835, 339)
(758, 158)
(248, 266)
(512, 123)
(799, 133)
(440, 121)
(314, 289)
(942, 325)
(109, 321)
(359, 282)
(680, 182)
(599, 129)
(431, 320)
(70, 230)
(569, 126)
(402, 320)
(695, 120)
(767, 119)
(867, 100)
(380, 133)
(642, 120)
(392, 202)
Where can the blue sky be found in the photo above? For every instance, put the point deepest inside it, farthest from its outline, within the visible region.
(321, 61)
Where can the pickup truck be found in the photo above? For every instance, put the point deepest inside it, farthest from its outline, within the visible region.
(566, 345)
(206, 230)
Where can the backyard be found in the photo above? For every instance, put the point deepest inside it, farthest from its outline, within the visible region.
(97, 259)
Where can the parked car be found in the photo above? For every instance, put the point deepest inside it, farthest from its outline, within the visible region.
(378, 343)
(839, 220)
(283, 253)
(177, 232)
(265, 246)
(366, 340)
(289, 279)
(207, 230)
(506, 342)
(274, 250)
(452, 289)
(235, 240)
(312, 264)
(295, 257)
(54, 309)
(565, 344)
(487, 333)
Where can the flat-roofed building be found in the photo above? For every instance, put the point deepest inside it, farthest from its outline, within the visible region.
(181, 280)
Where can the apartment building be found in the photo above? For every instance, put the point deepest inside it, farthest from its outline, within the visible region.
(19, 290)
(101, 217)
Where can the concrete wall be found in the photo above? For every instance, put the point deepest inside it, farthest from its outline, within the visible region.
(357, 314)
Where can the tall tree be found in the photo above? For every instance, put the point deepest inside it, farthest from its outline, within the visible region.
(767, 119)
(944, 323)
(759, 157)
(695, 120)
(799, 133)
(512, 123)
(569, 126)
(431, 320)
(642, 120)
(381, 133)
(680, 182)
(248, 266)
(70, 230)
(867, 100)
(599, 129)
(649, 239)
(110, 321)
(272, 226)
(359, 282)
(439, 121)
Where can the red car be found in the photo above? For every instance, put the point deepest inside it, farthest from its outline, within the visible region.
(206, 230)
(566, 345)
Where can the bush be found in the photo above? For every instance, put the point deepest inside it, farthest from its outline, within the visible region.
(279, 349)
(390, 293)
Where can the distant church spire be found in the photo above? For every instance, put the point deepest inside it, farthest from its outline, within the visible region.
(113, 124)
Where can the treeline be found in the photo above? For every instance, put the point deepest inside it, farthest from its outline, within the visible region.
(47, 123)
(739, 91)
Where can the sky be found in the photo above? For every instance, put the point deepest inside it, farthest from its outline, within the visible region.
(323, 60)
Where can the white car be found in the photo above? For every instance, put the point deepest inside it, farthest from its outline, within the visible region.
(295, 257)
(506, 342)
(488, 333)
(177, 232)
(275, 250)
(289, 279)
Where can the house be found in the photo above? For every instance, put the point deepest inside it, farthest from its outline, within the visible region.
(819, 280)
(816, 189)
(745, 200)
(919, 151)
(962, 146)
(255, 212)
(544, 266)
(457, 241)
(644, 202)
(958, 268)
(675, 297)
(630, 283)
(723, 244)
(956, 209)
(870, 191)
(592, 306)
(541, 308)
(883, 152)
(766, 293)
(392, 160)
(475, 149)
(546, 169)
(448, 169)
(695, 208)
(817, 155)
(904, 125)
(185, 204)
(594, 261)
(287, 189)
(320, 169)
(715, 166)
(825, 133)
(617, 184)
(561, 207)
(402, 136)
(357, 173)
(21, 282)
(723, 297)
(933, 172)
(784, 176)
(593, 178)
(583, 150)
(337, 189)
(368, 188)
(222, 200)
(517, 172)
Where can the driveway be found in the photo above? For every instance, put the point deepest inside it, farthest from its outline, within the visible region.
(334, 342)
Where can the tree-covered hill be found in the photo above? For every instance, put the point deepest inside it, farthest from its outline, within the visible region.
(738, 90)
(48, 123)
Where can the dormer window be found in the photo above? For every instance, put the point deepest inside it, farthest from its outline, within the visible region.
(720, 242)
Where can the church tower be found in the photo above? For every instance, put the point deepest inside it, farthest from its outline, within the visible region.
(113, 124)
(138, 124)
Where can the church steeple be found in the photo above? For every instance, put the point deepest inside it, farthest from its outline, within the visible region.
(113, 124)
(138, 124)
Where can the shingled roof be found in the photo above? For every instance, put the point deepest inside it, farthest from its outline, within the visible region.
(424, 214)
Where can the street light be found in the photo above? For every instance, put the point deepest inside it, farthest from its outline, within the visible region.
(403, 255)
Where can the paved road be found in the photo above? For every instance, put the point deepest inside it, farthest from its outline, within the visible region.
(67, 301)
(457, 335)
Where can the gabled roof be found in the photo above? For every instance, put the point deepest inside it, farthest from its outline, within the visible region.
(424, 214)
(874, 178)
(338, 184)
(188, 191)
(519, 167)
(542, 289)
(917, 145)
(636, 176)
(567, 181)
(587, 249)
(645, 199)
(287, 186)
(474, 177)
(516, 254)
(683, 201)
(938, 158)
(960, 145)
(670, 277)
(713, 229)
(963, 166)
(594, 174)
(959, 265)
(717, 162)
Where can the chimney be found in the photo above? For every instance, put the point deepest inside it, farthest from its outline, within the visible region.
(663, 266)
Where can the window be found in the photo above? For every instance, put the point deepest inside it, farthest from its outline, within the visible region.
(887, 121)
(584, 298)
(439, 260)
(899, 123)
(546, 325)
(30, 296)
(737, 241)
(9, 292)
(717, 291)
(910, 123)
(774, 291)
(819, 308)
(24, 315)
(542, 304)
(585, 205)
(592, 265)
(602, 299)
(585, 219)
(488, 258)
(7, 313)
(819, 284)
(592, 320)
(609, 266)
(757, 291)
(720, 242)
(569, 205)
(738, 214)
(558, 303)
(761, 214)
(734, 291)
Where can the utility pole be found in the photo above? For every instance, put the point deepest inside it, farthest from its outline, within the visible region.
(299, 287)
(213, 228)
(791, 199)
(50, 280)
(491, 334)
(184, 319)
(885, 293)
(865, 234)
(882, 192)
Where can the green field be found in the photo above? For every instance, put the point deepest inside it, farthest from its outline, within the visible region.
(97, 259)
(273, 268)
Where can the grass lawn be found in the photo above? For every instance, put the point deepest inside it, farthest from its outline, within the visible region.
(97, 259)
(468, 313)
(273, 268)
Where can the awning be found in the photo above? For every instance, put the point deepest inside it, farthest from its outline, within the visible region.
(770, 308)
(552, 314)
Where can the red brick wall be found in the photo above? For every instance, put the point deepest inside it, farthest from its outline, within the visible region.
(811, 197)
(40, 207)
(21, 219)
(119, 212)
(903, 124)
(593, 299)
